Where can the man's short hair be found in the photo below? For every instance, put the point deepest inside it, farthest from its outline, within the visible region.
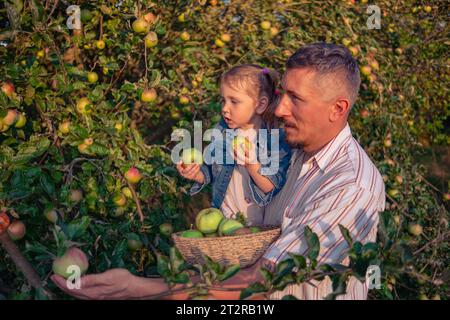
(329, 59)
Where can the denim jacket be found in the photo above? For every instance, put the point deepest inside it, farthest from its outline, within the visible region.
(219, 175)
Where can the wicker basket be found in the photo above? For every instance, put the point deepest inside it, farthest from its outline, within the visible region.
(243, 249)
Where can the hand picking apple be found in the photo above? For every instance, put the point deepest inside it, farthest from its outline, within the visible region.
(189, 166)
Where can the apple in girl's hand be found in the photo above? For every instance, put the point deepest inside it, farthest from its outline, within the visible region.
(191, 156)
(241, 142)
(72, 257)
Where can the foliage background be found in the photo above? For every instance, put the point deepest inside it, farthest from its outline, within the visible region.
(401, 119)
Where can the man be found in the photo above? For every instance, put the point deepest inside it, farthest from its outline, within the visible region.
(331, 181)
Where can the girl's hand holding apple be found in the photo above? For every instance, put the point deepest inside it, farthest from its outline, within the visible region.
(191, 172)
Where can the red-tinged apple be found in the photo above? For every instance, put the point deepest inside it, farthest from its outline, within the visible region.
(149, 95)
(8, 88)
(82, 105)
(74, 257)
(133, 175)
(11, 117)
(140, 25)
(151, 39)
(16, 230)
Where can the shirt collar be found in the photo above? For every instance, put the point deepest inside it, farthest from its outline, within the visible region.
(324, 156)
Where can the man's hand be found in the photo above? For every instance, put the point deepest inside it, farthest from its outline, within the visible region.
(191, 172)
(113, 284)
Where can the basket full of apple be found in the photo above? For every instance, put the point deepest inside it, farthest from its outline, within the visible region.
(226, 241)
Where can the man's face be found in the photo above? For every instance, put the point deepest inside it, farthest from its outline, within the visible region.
(302, 108)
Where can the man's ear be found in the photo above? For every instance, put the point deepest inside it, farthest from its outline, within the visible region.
(262, 105)
(340, 109)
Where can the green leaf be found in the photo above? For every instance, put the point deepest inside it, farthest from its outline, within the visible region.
(163, 266)
(35, 147)
(267, 275)
(182, 278)
(252, 289)
(299, 261)
(370, 250)
(313, 243)
(77, 228)
(346, 234)
(176, 260)
(339, 286)
(289, 297)
(229, 272)
(47, 184)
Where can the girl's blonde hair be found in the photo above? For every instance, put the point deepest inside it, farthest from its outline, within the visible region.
(258, 82)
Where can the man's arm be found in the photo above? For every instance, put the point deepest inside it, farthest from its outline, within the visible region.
(121, 284)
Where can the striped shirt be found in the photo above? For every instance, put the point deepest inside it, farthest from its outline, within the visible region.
(338, 185)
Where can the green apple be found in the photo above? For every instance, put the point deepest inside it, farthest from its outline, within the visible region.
(92, 77)
(140, 25)
(151, 39)
(120, 200)
(134, 242)
(265, 25)
(166, 229)
(82, 105)
(192, 234)
(64, 127)
(208, 220)
(229, 226)
(191, 156)
(72, 257)
(127, 192)
(241, 143)
(21, 121)
(219, 43)
(100, 44)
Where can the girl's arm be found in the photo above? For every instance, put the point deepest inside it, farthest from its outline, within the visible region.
(261, 181)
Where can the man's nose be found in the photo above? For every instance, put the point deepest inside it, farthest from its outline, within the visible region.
(282, 109)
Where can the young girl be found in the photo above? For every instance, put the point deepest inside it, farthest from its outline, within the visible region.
(249, 98)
